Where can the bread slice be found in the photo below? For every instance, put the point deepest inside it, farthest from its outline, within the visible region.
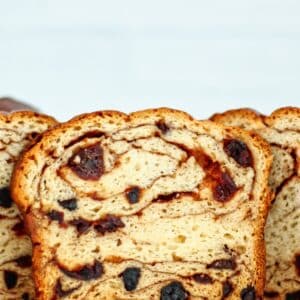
(17, 131)
(145, 206)
(282, 130)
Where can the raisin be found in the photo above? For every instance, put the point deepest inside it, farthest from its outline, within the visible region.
(227, 289)
(5, 199)
(297, 264)
(225, 188)
(24, 261)
(81, 225)
(162, 126)
(271, 294)
(90, 165)
(248, 293)
(239, 151)
(131, 278)
(219, 264)
(109, 223)
(19, 228)
(202, 278)
(293, 296)
(70, 204)
(60, 292)
(10, 278)
(56, 216)
(87, 272)
(133, 195)
(25, 296)
(174, 291)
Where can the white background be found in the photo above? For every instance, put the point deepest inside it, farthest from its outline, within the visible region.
(70, 56)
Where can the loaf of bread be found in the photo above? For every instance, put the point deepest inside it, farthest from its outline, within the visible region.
(151, 205)
(17, 131)
(282, 130)
(8, 104)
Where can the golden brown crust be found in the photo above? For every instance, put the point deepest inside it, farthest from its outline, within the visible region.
(22, 189)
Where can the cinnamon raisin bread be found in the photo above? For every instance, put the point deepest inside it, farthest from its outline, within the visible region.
(282, 130)
(17, 131)
(145, 206)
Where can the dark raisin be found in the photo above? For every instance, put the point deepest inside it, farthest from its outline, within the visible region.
(19, 228)
(227, 289)
(56, 216)
(162, 126)
(248, 293)
(239, 151)
(90, 164)
(293, 296)
(86, 273)
(10, 278)
(131, 278)
(24, 261)
(202, 278)
(297, 264)
(109, 223)
(271, 294)
(5, 199)
(174, 291)
(81, 225)
(60, 292)
(70, 204)
(225, 188)
(166, 198)
(219, 264)
(25, 296)
(133, 195)
(33, 136)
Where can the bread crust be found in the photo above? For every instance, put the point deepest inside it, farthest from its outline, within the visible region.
(32, 159)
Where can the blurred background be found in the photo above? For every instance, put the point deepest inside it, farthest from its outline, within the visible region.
(68, 56)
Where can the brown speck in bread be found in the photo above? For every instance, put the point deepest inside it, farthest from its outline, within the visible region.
(85, 273)
(227, 289)
(24, 261)
(88, 163)
(130, 278)
(5, 199)
(202, 278)
(239, 151)
(219, 264)
(81, 225)
(174, 290)
(25, 296)
(19, 228)
(11, 279)
(61, 292)
(293, 295)
(108, 223)
(133, 194)
(271, 294)
(248, 293)
(55, 215)
(70, 204)
(225, 188)
(163, 127)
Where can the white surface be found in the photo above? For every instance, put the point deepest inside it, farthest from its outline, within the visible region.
(69, 56)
